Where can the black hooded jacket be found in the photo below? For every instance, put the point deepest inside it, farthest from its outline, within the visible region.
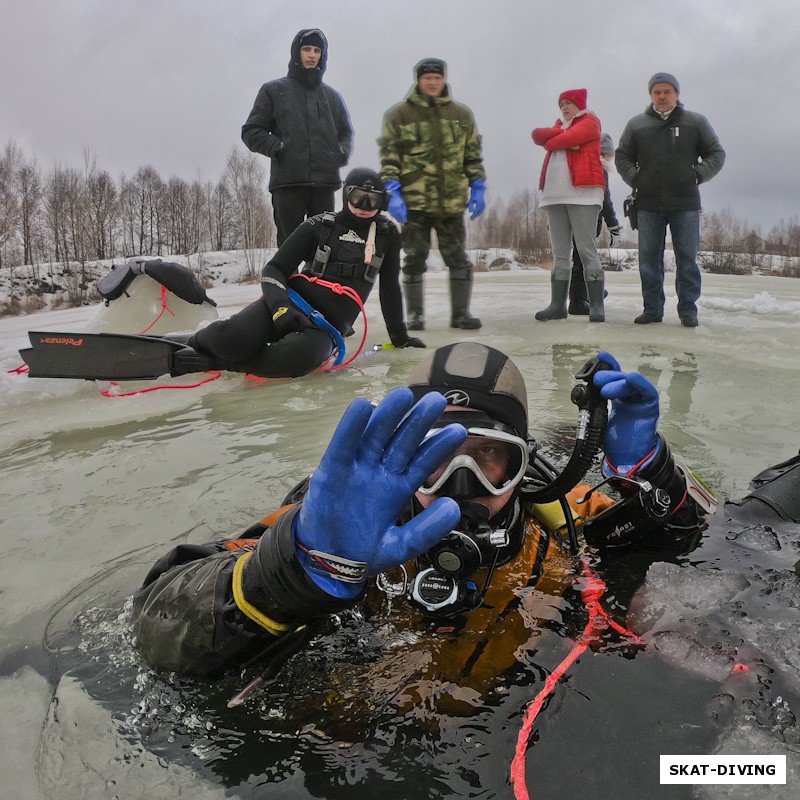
(301, 124)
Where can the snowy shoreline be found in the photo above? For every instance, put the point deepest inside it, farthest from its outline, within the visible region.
(27, 289)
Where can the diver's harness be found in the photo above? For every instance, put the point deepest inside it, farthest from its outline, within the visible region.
(321, 268)
(320, 321)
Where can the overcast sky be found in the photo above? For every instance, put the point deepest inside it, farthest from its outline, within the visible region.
(170, 82)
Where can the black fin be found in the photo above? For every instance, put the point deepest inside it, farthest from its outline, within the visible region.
(98, 356)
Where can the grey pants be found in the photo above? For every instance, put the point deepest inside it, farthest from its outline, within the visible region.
(568, 222)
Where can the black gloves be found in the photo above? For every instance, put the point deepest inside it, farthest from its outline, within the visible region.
(285, 317)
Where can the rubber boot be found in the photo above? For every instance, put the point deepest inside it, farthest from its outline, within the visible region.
(413, 292)
(578, 299)
(558, 302)
(596, 291)
(460, 294)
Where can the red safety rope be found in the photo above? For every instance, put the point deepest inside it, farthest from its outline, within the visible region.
(164, 307)
(347, 291)
(593, 590)
(212, 376)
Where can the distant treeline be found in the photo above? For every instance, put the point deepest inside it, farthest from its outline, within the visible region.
(79, 215)
(70, 214)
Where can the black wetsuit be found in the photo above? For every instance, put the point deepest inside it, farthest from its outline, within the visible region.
(247, 341)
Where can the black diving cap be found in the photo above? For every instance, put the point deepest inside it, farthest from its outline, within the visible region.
(363, 178)
(365, 190)
(476, 376)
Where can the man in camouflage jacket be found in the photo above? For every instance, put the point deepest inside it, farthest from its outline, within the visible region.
(431, 162)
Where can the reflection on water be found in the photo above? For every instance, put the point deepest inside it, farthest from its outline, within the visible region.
(113, 495)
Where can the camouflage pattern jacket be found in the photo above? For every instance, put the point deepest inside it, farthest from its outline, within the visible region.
(432, 147)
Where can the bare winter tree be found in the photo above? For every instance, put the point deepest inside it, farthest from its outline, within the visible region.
(197, 224)
(784, 238)
(102, 209)
(219, 213)
(9, 205)
(720, 234)
(67, 220)
(30, 194)
(246, 177)
(55, 209)
(176, 230)
(141, 212)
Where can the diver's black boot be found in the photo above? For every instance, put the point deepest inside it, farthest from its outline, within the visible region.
(578, 299)
(413, 293)
(180, 338)
(460, 294)
(188, 360)
(596, 291)
(558, 302)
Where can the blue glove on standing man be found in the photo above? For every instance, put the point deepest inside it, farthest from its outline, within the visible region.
(377, 458)
(477, 201)
(631, 439)
(397, 206)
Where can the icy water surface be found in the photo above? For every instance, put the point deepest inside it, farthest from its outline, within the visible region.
(93, 490)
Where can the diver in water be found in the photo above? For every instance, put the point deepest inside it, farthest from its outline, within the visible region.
(432, 511)
(299, 321)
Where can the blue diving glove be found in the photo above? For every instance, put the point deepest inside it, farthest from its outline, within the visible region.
(477, 203)
(377, 459)
(630, 440)
(397, 206)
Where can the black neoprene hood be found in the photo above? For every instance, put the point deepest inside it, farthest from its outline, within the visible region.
(475, 375)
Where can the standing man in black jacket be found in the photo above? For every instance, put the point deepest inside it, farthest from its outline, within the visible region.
(303, 126)
(664, 154)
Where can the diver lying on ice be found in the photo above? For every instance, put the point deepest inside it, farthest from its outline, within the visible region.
(297, 325)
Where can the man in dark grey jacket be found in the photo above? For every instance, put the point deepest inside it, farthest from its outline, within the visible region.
(302, 125)
(664, 154)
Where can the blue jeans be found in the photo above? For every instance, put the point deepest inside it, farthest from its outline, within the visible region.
(685, 229)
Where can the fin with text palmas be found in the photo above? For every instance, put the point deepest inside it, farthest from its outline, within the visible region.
(108, 356)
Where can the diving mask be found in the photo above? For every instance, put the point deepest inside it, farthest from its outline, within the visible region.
(492, 460)
(365, 199)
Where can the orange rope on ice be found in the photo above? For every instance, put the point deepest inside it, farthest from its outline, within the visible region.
(164, 307)
(593, 590)
(212, 376)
